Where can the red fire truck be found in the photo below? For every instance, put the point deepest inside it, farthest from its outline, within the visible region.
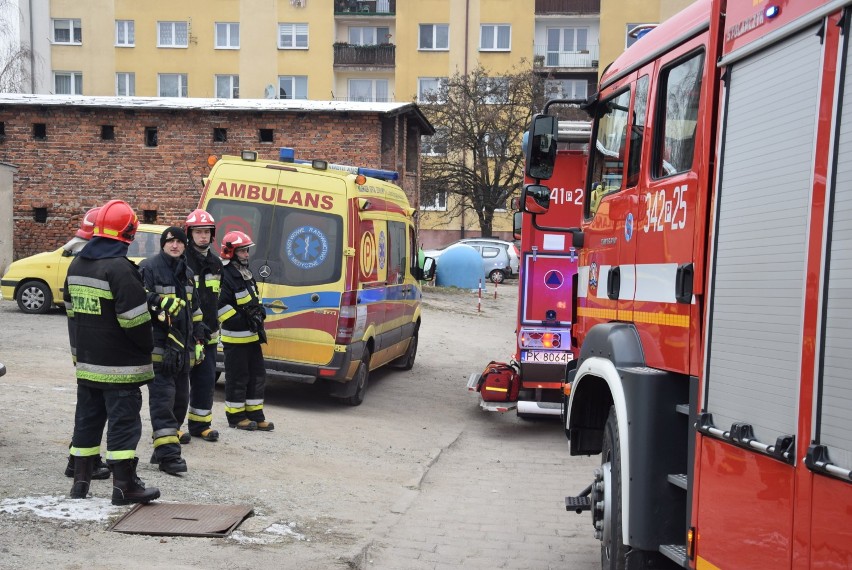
(548, 266)
(713, 304)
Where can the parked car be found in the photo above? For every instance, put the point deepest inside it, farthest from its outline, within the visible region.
(500, 259)
(35, 282)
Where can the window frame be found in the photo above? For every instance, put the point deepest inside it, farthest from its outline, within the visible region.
(442, 142)
(129, 33)
(183, 80)
(421, 80)
(294, 35)
(295, 80)
(229, 27)
(73, 25)
(233, 85)
(128, 76)
(561, 93)
(435, 205)
(174, 25)
(495, 47)
(434, 37)
(590, 208)
(373, 89)
(76, 82)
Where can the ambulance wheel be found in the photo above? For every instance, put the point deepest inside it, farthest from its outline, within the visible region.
(34, 297)
(362, 378)
(497, 276)
(607, 489)
(406, 361)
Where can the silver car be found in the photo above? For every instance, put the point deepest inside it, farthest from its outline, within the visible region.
(500, 258)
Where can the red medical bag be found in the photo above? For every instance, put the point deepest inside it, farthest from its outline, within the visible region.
(499, 382)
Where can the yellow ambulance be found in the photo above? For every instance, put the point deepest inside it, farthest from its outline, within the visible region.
(336, 262)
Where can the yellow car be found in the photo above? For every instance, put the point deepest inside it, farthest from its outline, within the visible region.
(35, 282)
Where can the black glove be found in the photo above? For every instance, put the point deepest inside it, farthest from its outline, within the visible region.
(172, 360)
(256, 312)
(201, 332)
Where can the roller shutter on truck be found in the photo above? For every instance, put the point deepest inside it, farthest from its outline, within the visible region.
(764, 196)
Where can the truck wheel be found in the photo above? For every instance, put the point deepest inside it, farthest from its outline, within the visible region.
(606, 499)
(497, 276)
(362, 378)
(34, 297)
(406, 361)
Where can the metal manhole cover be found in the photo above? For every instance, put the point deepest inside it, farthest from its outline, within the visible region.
(180, 519)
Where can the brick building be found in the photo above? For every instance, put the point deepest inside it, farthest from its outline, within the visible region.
(74, 152)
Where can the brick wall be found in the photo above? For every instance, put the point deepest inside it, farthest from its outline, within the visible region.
(74, 169)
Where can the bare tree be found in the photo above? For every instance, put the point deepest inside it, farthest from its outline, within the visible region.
(476, 150)
(14, 57)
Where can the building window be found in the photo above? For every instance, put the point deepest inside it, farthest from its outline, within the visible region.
(293, 87)
(227, 87)
(220, 135)
(67, 83)
(108, 132)
(227, 35)
(494, 89)
(495, 145)
(40, 131)
(149, 216)
(368, 36)
(292, 36)
(495, 37)
(375, 90)
(171, 84)
(435, 145)
(427, 86)
(2, 131)
(434, 37)
(40, 214)
(564, 45)
(436, 202)
(172, 34)
(151, 136)
(67, 32)
(125, 84)
(566, 88)
(125, 33)
(265, 135)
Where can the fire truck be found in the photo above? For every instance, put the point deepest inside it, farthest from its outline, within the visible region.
(548, 268)
(713, 306)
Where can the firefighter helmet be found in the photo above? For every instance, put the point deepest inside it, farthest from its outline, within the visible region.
(200, 220)
(87, 224)
(116, 220)
(233, 241)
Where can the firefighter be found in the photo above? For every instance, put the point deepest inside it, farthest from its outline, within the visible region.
(73, 247)
(178, 342)
(201, 229)
(242, 316)
(109, 329)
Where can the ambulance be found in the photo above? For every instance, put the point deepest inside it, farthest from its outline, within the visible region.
(336, 262)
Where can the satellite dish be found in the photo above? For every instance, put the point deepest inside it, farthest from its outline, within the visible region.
(270, 91)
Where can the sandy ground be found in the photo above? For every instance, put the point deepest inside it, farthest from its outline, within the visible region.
(321, 485)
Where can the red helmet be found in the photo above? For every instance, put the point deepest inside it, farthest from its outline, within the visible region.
(87, 224)
(232, 241)
(116, 220)
(199, 219)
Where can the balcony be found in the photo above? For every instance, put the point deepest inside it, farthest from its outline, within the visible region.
(366, 7)
(553, 7)
(586, 59)
(351, 55)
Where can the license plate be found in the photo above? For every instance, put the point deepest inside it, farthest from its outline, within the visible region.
(546, 356)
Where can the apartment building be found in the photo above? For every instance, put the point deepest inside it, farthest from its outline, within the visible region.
(345, 50)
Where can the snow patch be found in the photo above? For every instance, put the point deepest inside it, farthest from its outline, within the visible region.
(60, 507)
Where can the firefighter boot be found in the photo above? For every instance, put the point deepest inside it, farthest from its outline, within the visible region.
(127, 488)
(99, 471)
(82, 476)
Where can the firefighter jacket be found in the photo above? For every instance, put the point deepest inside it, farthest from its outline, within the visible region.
(208, 279)
(239, 307)
(166, 276)
(109, 325)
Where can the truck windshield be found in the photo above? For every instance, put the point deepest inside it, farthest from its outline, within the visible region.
(607, 154)
(300, 247)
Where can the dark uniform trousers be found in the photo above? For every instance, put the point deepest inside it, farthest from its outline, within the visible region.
(168, 400)
(121, 406)
(202, 380)
(245, 379)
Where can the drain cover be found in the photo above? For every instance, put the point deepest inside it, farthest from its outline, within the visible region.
(179, 519)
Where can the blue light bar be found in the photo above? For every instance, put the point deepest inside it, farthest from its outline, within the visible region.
(286, 154)
(390, 175)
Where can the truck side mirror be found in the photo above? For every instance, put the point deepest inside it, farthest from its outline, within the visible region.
(428, 271)
(535, 198)
(540, 147)
(517, 221)
(515, 203)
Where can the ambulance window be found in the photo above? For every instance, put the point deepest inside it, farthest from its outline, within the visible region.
(245, 217)
(637, 131)
(680, 89)
(396, 253)
(607, 156)
(309, 247)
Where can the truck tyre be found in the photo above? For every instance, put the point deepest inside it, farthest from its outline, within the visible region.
(406, 361)
(608, 489)
(362, 378)
(497, 276)
(34, 297)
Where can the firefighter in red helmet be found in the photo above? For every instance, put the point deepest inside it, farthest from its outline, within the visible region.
(201, 230)
(109, 329)
(241, 316)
